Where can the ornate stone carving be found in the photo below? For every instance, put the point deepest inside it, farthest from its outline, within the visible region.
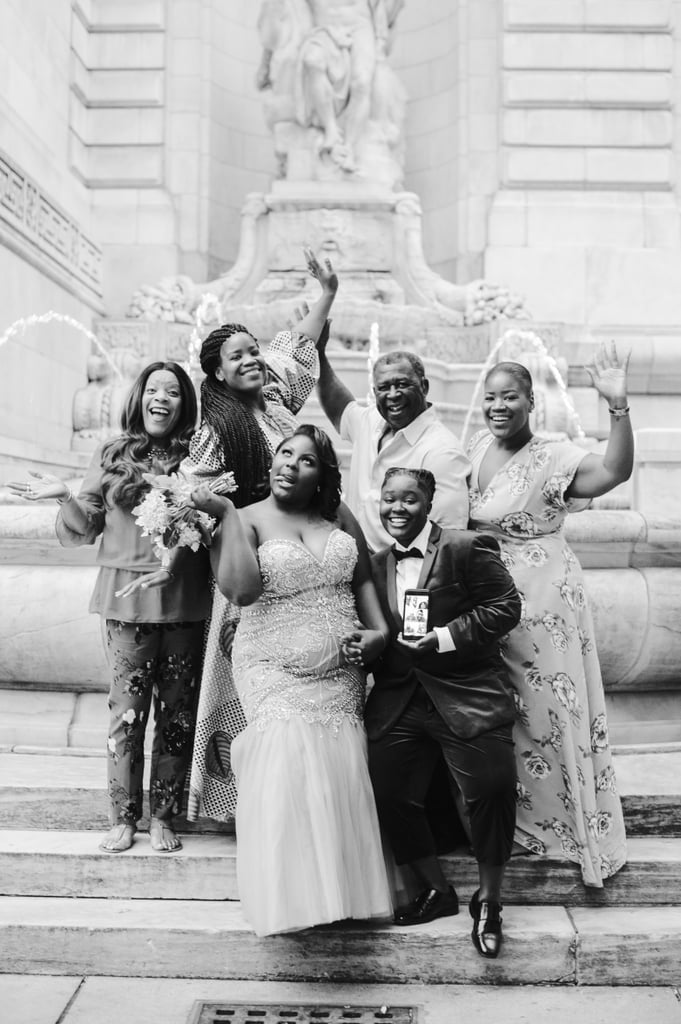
(334, 105)
(33, 223)
(374, 240)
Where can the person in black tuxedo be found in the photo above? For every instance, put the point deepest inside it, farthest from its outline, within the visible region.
(444, 694)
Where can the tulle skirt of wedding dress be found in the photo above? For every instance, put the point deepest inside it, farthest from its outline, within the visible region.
(308, 842)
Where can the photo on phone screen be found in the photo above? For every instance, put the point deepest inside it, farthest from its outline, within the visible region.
(415, 618)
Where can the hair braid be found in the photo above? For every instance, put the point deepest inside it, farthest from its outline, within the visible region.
(246, 451)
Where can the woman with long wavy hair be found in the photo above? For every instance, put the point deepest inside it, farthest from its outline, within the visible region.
(153, 635)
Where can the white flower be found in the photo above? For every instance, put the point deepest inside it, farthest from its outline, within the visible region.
(129, 716)
(189, 537)
(152, 514)
(111, 744)
(166, 515)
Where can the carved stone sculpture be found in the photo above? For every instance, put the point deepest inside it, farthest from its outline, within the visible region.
(329, 92)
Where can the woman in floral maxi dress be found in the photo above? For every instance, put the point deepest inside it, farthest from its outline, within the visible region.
(522, 488)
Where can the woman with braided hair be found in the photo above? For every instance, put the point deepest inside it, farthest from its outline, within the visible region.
(248, 405)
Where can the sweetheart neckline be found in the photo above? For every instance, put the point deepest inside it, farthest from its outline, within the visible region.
(304, 547)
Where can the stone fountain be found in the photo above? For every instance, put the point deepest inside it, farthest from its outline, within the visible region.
(336, 113)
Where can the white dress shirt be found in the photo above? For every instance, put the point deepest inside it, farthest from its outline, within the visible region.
(425, 443)
(407, 572)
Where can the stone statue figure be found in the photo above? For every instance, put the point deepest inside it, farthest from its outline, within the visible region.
(324, 67)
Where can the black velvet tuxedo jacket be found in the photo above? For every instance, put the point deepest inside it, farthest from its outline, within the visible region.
(473, 595)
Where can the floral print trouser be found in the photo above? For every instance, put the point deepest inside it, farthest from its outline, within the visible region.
(163, 660)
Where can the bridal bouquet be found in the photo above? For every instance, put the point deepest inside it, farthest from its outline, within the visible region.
(166, 516)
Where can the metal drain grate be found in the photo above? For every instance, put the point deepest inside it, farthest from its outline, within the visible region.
(299, 1013)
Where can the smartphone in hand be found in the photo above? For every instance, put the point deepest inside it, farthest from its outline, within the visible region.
(415, 617)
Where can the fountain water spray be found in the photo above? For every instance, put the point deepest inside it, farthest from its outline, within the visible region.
(374, 353)
(524, 340)
(23, 323)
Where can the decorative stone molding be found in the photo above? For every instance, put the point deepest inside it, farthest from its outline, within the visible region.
(373, 237)
(35, 227)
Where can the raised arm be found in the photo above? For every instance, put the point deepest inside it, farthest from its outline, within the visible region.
(331, 391)
(598, 474)
(233, 551)
(312, 323)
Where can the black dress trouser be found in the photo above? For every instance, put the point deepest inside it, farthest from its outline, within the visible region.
(402, 763)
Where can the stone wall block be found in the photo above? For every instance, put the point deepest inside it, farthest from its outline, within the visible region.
(530, 167)
(134, 87)
(524, 14)
(645, 14)
(106, 126)
(587, 127)
(507, 224)
(566, 223)
(543, 87)
(657, 473)
(46, 632)
(638, 627)
(632, 89)
(588, 50)
(125, 50)
(141, 165)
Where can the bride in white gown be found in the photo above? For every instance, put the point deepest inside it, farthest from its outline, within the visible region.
(308, 842)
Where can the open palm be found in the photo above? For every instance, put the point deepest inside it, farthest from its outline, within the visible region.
(46, 486)
(324, 272)
(609, 374)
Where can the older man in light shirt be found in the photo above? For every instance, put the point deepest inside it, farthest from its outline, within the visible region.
(401, 430)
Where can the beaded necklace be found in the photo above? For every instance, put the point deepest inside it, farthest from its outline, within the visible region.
(155, 454)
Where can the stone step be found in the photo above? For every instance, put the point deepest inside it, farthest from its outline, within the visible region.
(207, 939)
(60, 790)
(40, 863)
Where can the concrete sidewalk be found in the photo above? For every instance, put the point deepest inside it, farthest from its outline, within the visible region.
(31, 999)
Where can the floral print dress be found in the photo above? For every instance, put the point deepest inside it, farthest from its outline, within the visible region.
(567, 794)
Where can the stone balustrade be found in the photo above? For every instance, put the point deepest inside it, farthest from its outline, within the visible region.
(633, 575)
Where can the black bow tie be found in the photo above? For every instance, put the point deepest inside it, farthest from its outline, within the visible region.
(410, 553)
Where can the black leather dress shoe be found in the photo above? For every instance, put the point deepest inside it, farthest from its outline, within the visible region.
(487, 935)
(429, 905)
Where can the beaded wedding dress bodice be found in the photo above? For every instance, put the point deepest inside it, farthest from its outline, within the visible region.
(287, 649)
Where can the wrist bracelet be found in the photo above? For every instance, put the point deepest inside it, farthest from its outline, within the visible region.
(67, 497)
(618, 413)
